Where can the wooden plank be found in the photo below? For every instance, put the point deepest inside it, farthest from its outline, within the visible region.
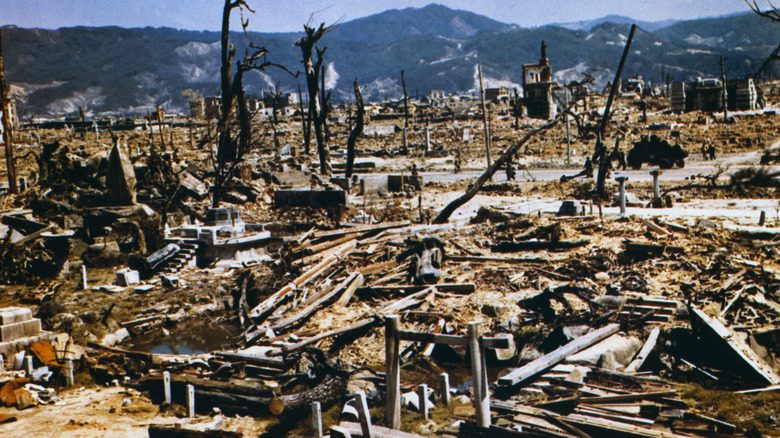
(306, 312)
(271, 302)
(377, 431)
(521, 375)
(606, 427)
(351, 289)
(462, 288)
(647, 348)
(362, 229)
(626, 398)
(462, 341)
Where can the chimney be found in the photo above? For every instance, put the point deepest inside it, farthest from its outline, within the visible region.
(544, 60)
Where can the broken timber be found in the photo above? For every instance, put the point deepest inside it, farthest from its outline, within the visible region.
(521, 375)
(753, 367)
(262, 309)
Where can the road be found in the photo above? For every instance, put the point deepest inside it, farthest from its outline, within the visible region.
(733, 163)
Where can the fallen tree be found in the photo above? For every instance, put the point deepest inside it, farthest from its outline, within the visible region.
(500, 163)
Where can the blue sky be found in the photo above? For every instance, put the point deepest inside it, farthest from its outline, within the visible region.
(289, 15)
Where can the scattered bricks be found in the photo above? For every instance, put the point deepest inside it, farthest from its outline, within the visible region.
(11, 332)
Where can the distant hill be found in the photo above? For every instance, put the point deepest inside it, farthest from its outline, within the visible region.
(54, 72)
(587, 25)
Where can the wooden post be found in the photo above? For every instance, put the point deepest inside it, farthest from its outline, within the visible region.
(191, 401)
(724, 91)
(422, 395)
(167, 387)
(2, 362)
(478, 376)
(8, 126)
(444, 388)
(84, 284)
(406, 114)
(762, 219)
(316, 419)
(484, 117)
(69, 378)
(363, 414)
(392, 372)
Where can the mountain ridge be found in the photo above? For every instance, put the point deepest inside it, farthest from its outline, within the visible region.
(55, 72)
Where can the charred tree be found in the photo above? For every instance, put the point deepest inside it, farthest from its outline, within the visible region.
(771, 12)
(500, 163)
(314, 70)
(305, 123)
(230, 148)
(357, 130)
(8, 128)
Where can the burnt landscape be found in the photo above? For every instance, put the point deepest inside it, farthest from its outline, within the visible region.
(423, 222)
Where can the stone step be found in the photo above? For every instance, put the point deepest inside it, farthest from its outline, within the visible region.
(20, 330)
(11, 315)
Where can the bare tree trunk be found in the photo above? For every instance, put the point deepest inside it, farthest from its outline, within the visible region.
(313, 71)
(305, 122)
(224, 147)
(8, 129)
(356, 131)
(447, 211)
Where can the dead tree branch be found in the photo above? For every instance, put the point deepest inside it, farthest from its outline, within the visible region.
(356, 131)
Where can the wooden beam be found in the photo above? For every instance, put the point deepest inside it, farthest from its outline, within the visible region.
(362, 229)
(647, 348)
(521, 375)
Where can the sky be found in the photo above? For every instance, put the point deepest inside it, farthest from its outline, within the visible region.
(289, 15)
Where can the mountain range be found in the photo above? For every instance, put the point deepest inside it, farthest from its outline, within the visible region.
(102, 69)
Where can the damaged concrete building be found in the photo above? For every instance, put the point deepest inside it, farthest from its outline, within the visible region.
(538, 88)
(707, 95)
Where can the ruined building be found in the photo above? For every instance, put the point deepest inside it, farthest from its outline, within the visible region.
(707, 95)
(538, 88)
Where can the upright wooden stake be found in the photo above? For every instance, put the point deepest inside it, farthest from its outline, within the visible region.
(191, 401)
(316, 419)
(8, 127)
(393, 372)
(422, 396)
(484, 117)
(444, 388)
(364, 414)
(478, 376)
(167, 387)
(69, 377)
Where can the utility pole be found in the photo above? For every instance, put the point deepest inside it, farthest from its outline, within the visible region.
(406, 113)
(8, 128)
(484, 117)
(568, 126)
(601, 150)
(724, 93)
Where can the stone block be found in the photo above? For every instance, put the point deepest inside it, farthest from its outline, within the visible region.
(127, 277)
(11, 315)
(20, 330)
